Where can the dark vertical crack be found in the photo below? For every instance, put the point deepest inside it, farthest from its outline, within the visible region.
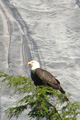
(26, 38)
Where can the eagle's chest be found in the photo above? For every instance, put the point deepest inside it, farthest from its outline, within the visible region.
(36, 79)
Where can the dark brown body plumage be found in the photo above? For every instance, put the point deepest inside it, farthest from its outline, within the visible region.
(43, 77)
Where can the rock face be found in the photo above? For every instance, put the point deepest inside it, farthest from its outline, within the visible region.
(48, 31)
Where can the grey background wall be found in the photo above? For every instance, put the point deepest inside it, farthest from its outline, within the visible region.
(45, 30)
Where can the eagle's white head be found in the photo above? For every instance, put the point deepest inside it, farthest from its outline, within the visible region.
(34, 64)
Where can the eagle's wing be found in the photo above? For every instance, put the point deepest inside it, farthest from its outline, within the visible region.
(47, 77)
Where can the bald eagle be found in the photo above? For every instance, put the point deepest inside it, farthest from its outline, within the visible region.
(43, 77)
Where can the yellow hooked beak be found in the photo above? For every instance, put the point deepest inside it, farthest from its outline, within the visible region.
(30, 63)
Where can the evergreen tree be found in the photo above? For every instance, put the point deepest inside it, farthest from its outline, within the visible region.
(44, 102)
